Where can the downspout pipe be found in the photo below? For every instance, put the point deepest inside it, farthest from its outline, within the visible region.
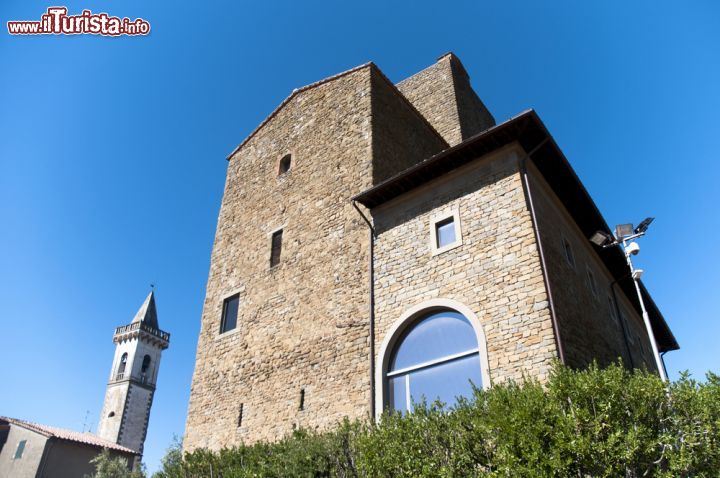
(531, 206)
(371, 311)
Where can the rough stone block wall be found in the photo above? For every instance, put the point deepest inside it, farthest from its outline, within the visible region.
(301, 324)
(442, 93)
(496, 272)
(401, 136)
(587, 328)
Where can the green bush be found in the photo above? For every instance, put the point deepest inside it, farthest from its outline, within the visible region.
(590, 423)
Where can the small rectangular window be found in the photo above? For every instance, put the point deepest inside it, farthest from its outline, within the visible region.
(301, 406)
(445, 232)
(276, 245)
(569, 256)
(591, 282)
(240, 414)
(230, 313)
(20, 449)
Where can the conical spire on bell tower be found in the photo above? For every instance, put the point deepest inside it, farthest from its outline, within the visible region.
(147, 312)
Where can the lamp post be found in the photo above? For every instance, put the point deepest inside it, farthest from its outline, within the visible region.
(623, 234)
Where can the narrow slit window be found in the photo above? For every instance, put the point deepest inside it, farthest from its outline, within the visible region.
(240, 415)
(285, 164)
(569, 256)
(301, 406)
(445, 232)
(20, 449)
(276, 248)
(230, 313)
(591, 282)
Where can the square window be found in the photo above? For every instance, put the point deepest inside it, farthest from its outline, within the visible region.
(445, 233)
(276, 247)
(230, 313)
(20, 449)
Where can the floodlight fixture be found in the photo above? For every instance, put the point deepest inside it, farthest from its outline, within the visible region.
(623, 230)
(642, 227)
(602, 239)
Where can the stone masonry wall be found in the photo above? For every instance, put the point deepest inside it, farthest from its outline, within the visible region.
(588, 327)
(401, 136)
(442, 93)
(496, 272)
(301, 324)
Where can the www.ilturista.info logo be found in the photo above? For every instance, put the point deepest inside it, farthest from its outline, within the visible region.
(57, 22)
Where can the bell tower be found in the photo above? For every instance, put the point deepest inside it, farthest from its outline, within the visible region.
(129, 395)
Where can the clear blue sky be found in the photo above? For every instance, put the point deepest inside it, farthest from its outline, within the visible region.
(112, 157)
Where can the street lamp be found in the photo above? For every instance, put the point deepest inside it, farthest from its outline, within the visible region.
(623, 234)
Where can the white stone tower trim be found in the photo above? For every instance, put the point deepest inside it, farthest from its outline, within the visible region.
(133, 377)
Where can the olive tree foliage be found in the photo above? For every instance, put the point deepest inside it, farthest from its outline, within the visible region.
(107, 466)
(588, 423)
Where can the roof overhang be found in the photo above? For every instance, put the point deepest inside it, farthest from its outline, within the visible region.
(529, 131)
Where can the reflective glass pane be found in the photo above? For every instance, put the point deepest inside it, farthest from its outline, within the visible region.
(446, 381)
(230, 313)
(445, 232)
(397, 398)
(438, 335)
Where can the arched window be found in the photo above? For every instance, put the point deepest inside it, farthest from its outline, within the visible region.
(121, 367)
(285, 164)
(437, 357)
(144, 369)
(145, 364)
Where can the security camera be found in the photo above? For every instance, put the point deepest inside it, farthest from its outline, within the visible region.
(632, 248)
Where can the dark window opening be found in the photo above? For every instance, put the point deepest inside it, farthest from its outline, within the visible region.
(240, 414)
(121, 368)
(144, 368)
(145, 364)
(230, 313)
(276, 248)
(302, 400)
(568, 253)
(285, 164)
(111, 414)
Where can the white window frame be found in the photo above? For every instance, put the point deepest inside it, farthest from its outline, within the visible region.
(237, 292)
(453, 214)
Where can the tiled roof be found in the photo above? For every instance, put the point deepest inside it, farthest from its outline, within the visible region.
(69, 435)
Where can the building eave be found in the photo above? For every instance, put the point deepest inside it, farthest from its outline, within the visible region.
(529, 131)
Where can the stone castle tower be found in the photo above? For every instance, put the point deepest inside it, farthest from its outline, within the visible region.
(328, 250)
(126, 409)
